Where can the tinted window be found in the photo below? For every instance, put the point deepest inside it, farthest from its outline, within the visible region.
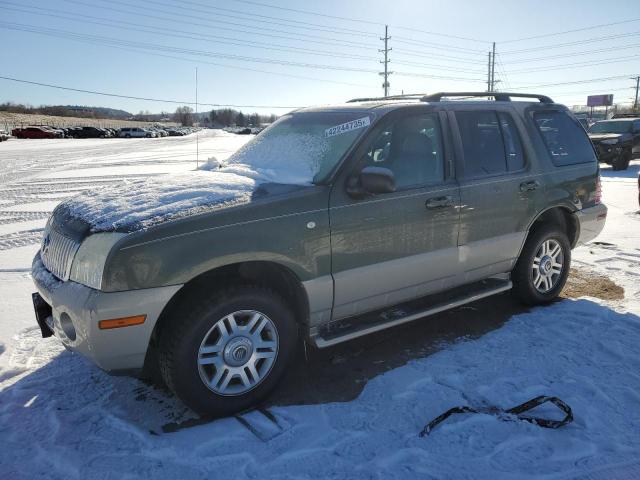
(484, 150)
(566, 141)
(412, 149)
(512, 144)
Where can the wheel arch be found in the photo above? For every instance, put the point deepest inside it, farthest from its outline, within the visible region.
(267, 274)
(560, 215)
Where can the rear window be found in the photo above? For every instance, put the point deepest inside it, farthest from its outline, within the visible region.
(566, 141)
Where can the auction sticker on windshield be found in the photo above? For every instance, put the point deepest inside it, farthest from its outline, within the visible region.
(347, 127)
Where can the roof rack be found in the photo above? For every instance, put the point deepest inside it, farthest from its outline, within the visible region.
(498, 96)
(408, 96)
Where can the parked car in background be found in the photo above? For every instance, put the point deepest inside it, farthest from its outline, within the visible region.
(58, 131)
(625, 115)
(372, 214)
(134, 132)
(91, 132)
(35, 132)
(616, 141)
(4, 135)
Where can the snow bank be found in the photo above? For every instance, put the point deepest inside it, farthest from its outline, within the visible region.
(141, 203)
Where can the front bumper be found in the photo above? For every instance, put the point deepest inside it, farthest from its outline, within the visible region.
(608, 153)
(76, 311)
(591, 221)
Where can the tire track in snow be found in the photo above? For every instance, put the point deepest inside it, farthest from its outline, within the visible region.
(20, 239)
(17, 216)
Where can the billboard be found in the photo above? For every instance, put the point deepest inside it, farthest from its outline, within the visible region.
(600, 100)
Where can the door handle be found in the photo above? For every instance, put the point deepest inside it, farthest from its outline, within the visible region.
(529, 186)
(440, 202)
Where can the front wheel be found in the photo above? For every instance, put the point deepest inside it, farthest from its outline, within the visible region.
(224, 354)
(543, 266)
(621, 162)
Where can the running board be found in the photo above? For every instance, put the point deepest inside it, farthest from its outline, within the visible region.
(350, 328)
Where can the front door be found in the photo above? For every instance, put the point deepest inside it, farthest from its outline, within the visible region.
(392, 247)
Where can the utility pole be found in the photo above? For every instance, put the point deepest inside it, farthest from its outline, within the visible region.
(386, 60)
(489, 73)
(635, 102)
(197, 132)
(493, 68)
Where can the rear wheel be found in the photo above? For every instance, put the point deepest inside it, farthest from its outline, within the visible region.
(226, 353)
(543, 266)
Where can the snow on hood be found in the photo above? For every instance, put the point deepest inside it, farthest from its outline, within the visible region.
(136, 204)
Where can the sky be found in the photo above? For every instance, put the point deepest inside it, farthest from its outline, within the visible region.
(270, 56)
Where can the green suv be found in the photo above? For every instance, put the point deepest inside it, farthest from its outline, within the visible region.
(332, 223)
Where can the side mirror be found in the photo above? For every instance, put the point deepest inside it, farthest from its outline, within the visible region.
(371, 181)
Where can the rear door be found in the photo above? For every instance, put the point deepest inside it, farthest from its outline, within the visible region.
(392, 247)
(498, 189)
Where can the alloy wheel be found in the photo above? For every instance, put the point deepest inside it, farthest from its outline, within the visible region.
(547, 266)
(238, 352)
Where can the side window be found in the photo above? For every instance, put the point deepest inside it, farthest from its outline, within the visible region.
(411, 148)
(567, 143)
(636, 126)
(512, 144)
(482, 145)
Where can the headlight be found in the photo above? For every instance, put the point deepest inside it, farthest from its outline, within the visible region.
(88, 263)
(611, 141)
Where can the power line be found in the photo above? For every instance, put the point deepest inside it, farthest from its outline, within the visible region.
(462, 50)
(358, 20)
(569, 44)
(218, 39)
(110, 41)
(565, 55)
(553, 34)
(574, 65)
(576, 82)
(159, 100)
(305, 25)
(167, 48)
(421, 54)
(262, 33)
(191, 35)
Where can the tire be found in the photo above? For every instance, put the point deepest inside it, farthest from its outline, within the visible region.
(622, 161)
(191, 334)
(525, 277)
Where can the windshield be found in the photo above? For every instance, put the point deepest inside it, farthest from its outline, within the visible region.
(303, 147)
(611, 127)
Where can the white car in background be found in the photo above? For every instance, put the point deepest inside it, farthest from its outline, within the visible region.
(135, 132)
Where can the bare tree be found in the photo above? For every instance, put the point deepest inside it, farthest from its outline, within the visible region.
(184, 116)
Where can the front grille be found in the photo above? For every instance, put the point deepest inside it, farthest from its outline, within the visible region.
(57, 252)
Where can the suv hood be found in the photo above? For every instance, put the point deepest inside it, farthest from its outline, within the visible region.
(139, 204)
(596, 137)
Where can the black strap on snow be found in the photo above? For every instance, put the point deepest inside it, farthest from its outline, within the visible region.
(507, 415)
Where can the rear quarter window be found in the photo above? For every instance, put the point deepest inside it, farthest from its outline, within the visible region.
(566, 141)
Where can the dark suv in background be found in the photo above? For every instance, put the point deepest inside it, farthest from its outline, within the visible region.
(616, 141)
(400, 208)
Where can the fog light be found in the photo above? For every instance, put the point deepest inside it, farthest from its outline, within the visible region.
(67, 326)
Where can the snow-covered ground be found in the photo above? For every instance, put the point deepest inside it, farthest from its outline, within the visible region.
(62, 418)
